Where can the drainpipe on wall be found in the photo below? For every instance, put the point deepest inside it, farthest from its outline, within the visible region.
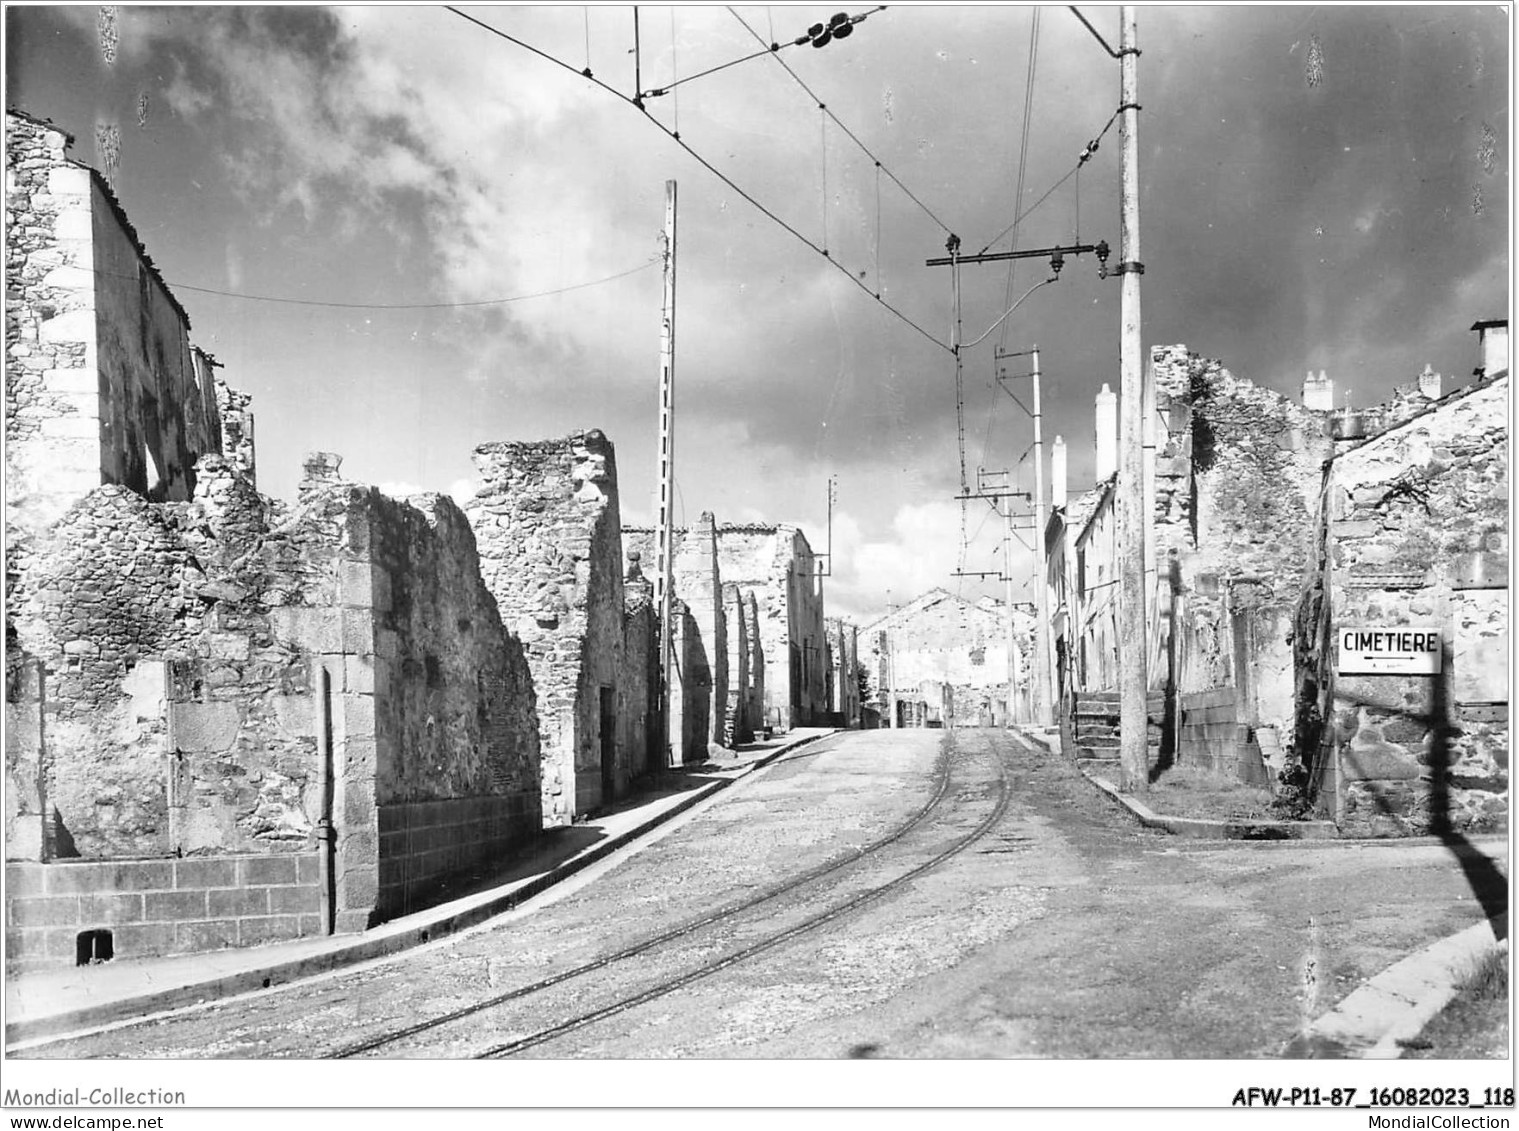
(326, 834)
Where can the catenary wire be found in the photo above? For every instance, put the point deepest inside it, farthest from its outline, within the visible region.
(1086, 155)
(847, 131)
(706, 165)
(392, 305)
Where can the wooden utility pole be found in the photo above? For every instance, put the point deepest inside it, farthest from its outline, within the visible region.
(664, 578)
(1133, 637)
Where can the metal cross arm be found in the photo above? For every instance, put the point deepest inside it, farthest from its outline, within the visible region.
(1056, 256)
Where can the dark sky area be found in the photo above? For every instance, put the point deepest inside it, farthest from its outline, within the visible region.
(1321, 188)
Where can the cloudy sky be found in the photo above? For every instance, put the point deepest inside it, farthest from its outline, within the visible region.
(1322, 188)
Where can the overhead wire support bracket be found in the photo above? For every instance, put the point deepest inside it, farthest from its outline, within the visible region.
(1056, 256)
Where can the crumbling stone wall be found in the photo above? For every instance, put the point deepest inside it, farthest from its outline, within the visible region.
(1416, 534)
(843, 639)
(227, 676)
(1236, 487)
(100, 383)
(941, 649)
(548, 528)
(740, 718)
(775, 565)
(641, 747)
(697, 583)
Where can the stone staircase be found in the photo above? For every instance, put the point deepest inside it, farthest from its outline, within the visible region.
(1097, 725)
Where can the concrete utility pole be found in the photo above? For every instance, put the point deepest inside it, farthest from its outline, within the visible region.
(1044, 695)
(664, 578)
(1133, 637)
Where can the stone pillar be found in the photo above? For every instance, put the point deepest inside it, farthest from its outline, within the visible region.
(1107, 432)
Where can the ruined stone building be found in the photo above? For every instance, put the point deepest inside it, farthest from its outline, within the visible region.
(229, 720)
(941, 660)
(774, 566)
(699, 692)
(843, 673)
(1409, 735)
(549, 534)
(1253, 500)
(102, 383)
(1231, 491)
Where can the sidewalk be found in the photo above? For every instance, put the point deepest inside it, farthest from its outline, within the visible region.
(1391, 1007)
(52, 1003)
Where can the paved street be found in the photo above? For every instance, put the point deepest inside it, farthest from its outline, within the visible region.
(890, 893)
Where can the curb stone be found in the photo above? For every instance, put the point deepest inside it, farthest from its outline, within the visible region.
(1248, 829)
(378, 942)
(1398, 1003)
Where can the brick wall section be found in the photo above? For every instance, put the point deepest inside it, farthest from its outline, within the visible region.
(1416, 534)
(158, 907)
(548, 529)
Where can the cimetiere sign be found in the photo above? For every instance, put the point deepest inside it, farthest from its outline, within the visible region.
(1405, 650)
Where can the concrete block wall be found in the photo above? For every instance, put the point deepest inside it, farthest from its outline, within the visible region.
(1211, 737)
(425, 847)
(158, 907)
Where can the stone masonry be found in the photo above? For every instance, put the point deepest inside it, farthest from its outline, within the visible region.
(231, 677)
(548, 528)
(1415, 533)
(774, 564)
(102, 384)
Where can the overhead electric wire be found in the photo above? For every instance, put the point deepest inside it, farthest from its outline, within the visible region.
(393, 305)
(1086, 155)
(1008, 311)
(706, 165)
(771, 48)
(1023, 148)
(847, 131)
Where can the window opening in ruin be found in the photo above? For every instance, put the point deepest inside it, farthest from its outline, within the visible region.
(93, 946)
(978, 656)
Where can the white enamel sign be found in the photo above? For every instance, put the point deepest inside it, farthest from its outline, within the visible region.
(1382, 650)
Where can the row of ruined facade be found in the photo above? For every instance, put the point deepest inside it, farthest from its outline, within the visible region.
(233, 719)
(1275, 525)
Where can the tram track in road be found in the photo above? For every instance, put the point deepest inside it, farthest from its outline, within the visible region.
(768, 941)
(943, 774)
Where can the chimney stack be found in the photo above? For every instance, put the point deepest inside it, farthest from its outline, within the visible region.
(1057, 472)
(1318, 392)
(1107, 433)
(1429, 383)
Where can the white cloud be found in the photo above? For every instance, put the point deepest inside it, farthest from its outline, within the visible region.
(922, 551)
